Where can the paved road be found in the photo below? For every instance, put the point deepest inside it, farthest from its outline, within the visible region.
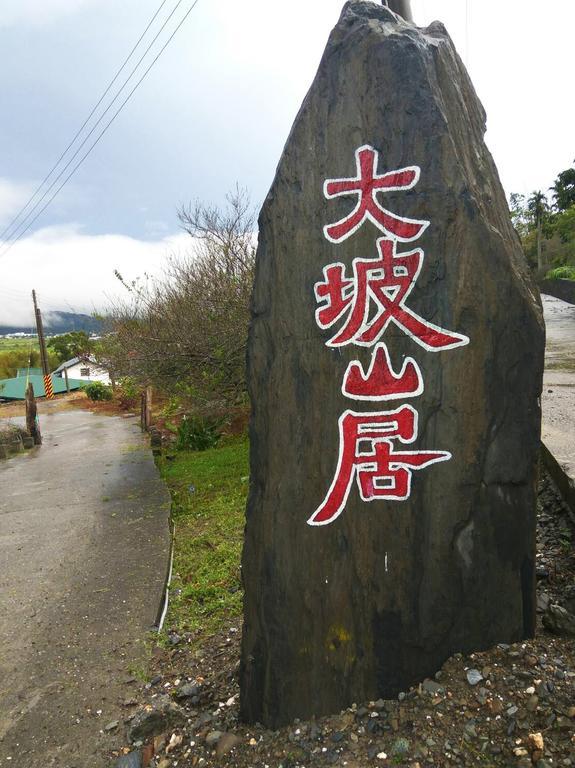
(84, 547)
(558, 400)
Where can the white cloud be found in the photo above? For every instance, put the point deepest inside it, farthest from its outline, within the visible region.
(13, 196)
(74, 272)
(35, 12)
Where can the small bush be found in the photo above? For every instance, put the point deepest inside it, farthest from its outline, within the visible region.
(561, 273)
(128, 393)
(98, 391)
(10, 433)
(171, 407)
(198, 434)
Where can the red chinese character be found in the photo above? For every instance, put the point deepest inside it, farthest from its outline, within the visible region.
(386, 283)
(334, 293)
(366, 184)
(381, 382)
(381, 473)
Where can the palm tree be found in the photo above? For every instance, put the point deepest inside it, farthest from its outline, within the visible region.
(538, 207)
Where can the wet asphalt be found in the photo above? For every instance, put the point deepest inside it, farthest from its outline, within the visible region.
(84, 549)
(558, 398)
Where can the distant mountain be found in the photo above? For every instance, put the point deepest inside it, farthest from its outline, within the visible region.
(59, 322)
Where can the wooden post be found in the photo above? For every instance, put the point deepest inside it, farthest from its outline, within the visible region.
(148, 413)
(146, 409)
(67, 382)
(32, 423)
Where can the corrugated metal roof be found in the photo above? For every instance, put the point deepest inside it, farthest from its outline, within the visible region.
(25, 372)
(67, 364)
(15, 389)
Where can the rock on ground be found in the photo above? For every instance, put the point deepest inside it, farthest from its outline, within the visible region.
(521, 712)
(158, 717)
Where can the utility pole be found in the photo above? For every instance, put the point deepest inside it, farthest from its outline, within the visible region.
(401, 7)
(48, 388)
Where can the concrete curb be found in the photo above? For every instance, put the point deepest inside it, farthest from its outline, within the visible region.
(560, 289)
(564, 483)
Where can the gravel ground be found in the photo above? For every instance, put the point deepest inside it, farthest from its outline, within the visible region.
(510, 706)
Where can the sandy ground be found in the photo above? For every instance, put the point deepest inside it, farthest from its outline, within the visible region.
(84, 545)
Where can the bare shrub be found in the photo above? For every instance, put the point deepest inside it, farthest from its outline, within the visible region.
(186, 331)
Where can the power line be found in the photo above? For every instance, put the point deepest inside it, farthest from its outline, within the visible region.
(19, 293)
(107, 126)
(20, 296)
(77, 152)
(75, 168)
(86, 121)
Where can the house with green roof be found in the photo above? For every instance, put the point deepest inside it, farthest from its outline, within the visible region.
(15, 389)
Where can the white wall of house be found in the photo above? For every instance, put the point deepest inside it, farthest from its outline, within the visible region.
(87, 372)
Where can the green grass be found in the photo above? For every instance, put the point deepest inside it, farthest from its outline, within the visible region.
(15, 353)
(17, 345)
(209, 523)
(566, 272)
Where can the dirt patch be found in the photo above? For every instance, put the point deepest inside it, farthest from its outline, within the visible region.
(510, 706)
(68, 402)
(60, 403)
(104, 407)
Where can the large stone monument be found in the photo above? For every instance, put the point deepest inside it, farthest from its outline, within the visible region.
(395, 365)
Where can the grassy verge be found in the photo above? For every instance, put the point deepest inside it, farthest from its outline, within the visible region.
(18, 344)
(208, 491)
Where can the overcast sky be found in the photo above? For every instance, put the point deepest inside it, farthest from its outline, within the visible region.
(216, 110)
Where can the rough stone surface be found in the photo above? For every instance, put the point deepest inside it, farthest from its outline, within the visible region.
(226, 743)
(187, 691)
(432, 687)
(474, 676)
(133, 760)
(559, 621)
(155, 719)
(377, 600)
(212, 738)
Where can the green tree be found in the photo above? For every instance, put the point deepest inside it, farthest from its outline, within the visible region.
(519, 214)
(69, 345)
(564, 190)
(564, 225)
